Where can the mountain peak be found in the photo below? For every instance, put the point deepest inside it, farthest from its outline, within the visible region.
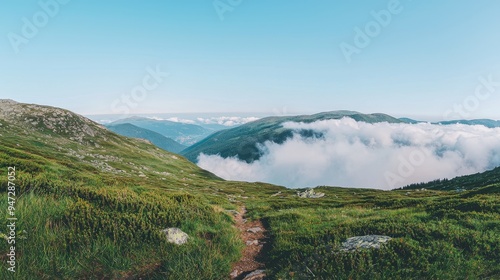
(50, 119)
(7, 101)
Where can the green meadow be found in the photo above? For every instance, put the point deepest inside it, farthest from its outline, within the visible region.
(94, 208)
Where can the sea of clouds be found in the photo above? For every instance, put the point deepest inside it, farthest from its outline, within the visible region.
(357, 154)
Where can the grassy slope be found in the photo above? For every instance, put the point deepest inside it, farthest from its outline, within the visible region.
(87, 222)
(86, 219)
(437, 235)
(463, 182)
(242, 141)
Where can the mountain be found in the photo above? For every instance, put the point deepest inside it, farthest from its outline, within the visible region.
(243, 141)
(485, 122)
(91, 204)
(408, 120)
(183, 133)
(157, 139)
(467, 182)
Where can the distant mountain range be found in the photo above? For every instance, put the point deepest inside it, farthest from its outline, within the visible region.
(183, 133)
(485, 122)
(130, 130)
(243, 141)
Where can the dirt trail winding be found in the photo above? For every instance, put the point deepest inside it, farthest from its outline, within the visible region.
(253, 234)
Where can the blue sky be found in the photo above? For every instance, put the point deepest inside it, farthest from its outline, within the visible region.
(261, 56)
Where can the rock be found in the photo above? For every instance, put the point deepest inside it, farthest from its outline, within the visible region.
(254, 229)
(252, 242)
(255, 275)
(176, 236)
(310, 193)
(278, 193)
(234, 274)
(364, 242)
(233, 212)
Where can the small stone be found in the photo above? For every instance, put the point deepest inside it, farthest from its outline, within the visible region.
(233, 212)
(252, 242)
(176, 236)
(255, 275)
(234, 274)
(254, 229)
(364, 242)
(278, 193)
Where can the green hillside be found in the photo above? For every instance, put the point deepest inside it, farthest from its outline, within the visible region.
(91, 204)
(467, 182)
(243, 140)
(184, 133)
(157, 139)
(485, 122)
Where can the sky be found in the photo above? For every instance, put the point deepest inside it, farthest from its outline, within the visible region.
(422, 59)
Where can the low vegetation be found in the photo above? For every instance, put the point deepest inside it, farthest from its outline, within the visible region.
(436, 235)
(94, 207)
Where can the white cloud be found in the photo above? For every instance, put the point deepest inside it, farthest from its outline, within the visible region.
(357, 154)
(180, 120)
(173, 119)
(227, 121)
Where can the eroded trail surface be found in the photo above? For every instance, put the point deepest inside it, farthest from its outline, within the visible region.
(253, 234)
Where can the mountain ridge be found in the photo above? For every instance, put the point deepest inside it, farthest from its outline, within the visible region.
(183, 133)
(243, 141)
(163, 142)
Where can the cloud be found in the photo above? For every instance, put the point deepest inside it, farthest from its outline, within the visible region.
(173, 119)
(357, 154)
(227, 121)
(180, 120)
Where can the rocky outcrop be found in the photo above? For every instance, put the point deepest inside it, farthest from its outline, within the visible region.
(310, 193)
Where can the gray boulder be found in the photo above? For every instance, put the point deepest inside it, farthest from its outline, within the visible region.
(176, 236)
(310, 193)
(364, 242)
(258, 274)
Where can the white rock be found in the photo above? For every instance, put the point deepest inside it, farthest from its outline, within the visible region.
(176, 236)
(254, 229)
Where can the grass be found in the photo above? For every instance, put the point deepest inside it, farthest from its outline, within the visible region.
(436, 235)
(79, 220)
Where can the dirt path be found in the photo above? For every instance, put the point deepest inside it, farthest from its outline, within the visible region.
(253, 234)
